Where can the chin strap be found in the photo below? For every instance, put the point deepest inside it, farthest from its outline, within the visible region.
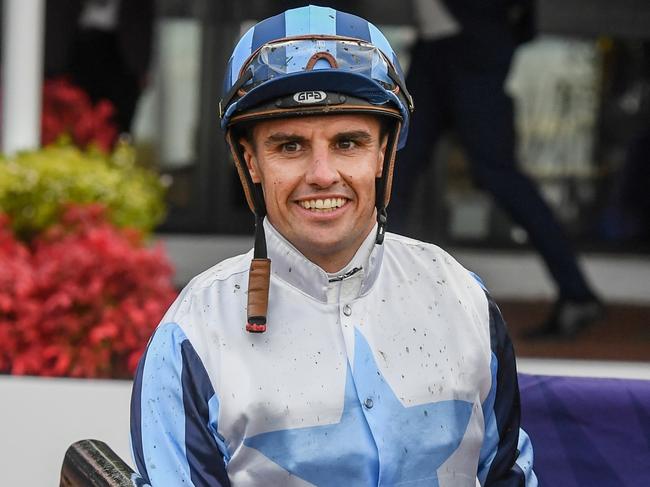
(382, 219)
(259, 274)
(383, 184)
(260, 270)
(258, 281)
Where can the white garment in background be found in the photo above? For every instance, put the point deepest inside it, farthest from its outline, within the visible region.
(99, 15)
(434, 20)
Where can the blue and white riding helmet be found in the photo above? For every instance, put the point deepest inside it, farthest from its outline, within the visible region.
(311, 60)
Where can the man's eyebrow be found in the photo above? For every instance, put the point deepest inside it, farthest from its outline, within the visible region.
(279, 137)
(359, 135)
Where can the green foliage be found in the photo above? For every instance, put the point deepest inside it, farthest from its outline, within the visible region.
(36, 185)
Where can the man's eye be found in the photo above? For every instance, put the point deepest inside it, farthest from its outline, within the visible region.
(346, 144)
(291, 147)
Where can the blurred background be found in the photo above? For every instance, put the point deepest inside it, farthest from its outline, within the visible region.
(116, 170)
(581, 89)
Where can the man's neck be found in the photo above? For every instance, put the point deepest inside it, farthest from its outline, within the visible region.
(333, 264)
(337, 262)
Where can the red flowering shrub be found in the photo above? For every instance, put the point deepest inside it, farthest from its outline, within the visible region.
(67, 110)
(82, 300)
(16, 285)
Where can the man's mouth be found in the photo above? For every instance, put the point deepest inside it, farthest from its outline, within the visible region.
(323, 205)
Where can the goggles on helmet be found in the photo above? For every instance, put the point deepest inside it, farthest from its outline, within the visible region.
(299, 54)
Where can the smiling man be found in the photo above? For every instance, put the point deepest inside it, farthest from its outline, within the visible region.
(318, 175)
(333, 353)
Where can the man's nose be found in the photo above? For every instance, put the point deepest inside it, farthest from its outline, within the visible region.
(322, 171)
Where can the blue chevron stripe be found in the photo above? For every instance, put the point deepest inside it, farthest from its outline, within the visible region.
(158, 441)
(199, 403)
(378, 39)
(352, 26)
(486, 457)
(268, 30)
(301, 21)
(137, 451)
(239, 56)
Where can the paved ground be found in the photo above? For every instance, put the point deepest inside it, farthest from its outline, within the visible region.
(623, 335)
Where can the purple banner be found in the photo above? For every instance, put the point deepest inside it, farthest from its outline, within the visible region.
(588, 431)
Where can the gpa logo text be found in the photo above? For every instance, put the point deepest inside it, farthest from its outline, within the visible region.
(308, 97)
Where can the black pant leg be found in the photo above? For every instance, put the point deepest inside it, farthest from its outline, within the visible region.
(484, 118)
(425, 86)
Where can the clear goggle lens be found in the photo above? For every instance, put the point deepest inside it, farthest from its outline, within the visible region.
(296, 55)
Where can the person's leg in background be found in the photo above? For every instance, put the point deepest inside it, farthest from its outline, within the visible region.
(484, 119)
(426, 85)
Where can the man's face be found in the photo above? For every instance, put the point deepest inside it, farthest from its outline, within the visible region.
(318, 176)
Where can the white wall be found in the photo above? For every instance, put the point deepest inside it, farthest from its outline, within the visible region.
(40, 418)
(23, 25)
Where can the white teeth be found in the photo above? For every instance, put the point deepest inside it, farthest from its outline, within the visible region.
(327, 204)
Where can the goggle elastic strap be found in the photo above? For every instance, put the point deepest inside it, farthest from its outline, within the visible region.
(225, 101)
(395, 77)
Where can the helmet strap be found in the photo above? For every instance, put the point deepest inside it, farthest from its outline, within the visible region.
(382, 219)
(259, 277)
(259, 274)
(383, 184)
(259, 251)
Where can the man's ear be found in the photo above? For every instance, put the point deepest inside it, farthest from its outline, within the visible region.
(382, 154)
(250, 159)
